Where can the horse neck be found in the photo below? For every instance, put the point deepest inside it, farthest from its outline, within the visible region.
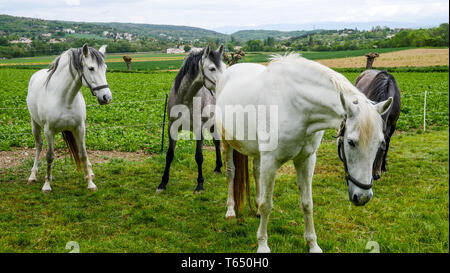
(66, 84)
(324, 109)
(188, 89)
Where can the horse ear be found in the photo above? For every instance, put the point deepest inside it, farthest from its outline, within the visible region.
(220, 49)
(206, 52)
(343, 102)
(349, 107)
(384, 106)
(85, 50)
(103, 49)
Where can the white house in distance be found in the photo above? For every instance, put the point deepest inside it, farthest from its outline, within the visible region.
(68, 30)
(22, 40)
(175, 50)
(180, 49)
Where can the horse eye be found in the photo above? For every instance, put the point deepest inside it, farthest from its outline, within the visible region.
(91, 68)
(212, 69)
(351, 143)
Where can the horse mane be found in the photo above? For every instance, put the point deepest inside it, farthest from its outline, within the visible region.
(379, 87)
(190, 65)
(369, 120)
(337, 80)
(75, 60)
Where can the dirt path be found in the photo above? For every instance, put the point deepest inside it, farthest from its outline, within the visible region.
(410, 57)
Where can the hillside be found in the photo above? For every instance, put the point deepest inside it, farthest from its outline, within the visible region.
(246, 35)
(30, 27)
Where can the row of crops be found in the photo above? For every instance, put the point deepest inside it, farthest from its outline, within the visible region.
(133, 121)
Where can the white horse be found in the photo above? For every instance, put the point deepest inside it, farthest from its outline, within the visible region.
(310, 99)
(56, 105)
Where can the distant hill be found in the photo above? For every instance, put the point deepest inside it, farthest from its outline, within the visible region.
(30, 27)
(246, 35)
(335, 25)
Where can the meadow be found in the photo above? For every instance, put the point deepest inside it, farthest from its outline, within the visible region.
(133, 120)
(409, 211)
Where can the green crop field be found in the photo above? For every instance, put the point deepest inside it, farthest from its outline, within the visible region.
(409, 211)
(137, 125)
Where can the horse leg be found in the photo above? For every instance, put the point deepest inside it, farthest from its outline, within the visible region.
(268, 172)
(38, 143)
(216, 140)
(218, 156)
(385, 157)
(305, 170)
(199, 160)
(228, 154)
(256, 174)
(87, 167)
(169, 159)
(50, 137)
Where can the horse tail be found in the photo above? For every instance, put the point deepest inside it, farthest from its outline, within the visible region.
(71, 142)
(241, 185)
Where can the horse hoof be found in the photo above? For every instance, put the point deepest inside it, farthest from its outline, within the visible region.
(230, 215)
(198, 192)
(46, 190)
(93, 189)
(31, 181)
(159, 190)
(216, 171)
(263, 249)
(315, 249)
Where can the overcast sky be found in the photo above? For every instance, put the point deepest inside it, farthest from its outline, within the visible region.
(212, 14)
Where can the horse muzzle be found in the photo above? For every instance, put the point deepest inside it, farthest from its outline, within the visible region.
(104, 97)
(359, 197)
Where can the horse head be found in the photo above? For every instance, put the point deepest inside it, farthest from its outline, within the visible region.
(360, 138)
(93, 73)
(211, 67)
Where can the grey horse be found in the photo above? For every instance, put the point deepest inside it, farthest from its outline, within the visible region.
(196, 80)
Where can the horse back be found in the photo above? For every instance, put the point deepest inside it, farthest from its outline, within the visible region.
(378, 86)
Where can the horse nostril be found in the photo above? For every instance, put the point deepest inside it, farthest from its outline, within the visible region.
(105, 98)
(355, 198)
(376, 176)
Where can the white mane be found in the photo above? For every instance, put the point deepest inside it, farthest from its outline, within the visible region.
(337, 80)
(369, 119)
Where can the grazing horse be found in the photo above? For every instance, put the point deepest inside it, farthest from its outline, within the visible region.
(56, 105)
(196, 79)
(378, 86)
(309, 99)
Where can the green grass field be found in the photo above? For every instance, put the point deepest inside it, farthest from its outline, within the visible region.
(408, 213)
(137, 126)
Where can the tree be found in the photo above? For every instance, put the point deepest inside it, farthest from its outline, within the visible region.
(254, 45)
(187, 48)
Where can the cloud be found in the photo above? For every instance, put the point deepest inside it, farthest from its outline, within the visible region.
(73, 2)
(212, 14)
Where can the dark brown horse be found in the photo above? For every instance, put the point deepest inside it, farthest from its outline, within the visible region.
(378, 86)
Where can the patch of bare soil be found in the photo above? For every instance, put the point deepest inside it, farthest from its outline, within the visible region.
(17, 155)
